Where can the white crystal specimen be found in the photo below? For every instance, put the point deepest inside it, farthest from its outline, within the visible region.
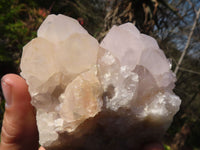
(132, 48)
(50, 64)
(115, 95)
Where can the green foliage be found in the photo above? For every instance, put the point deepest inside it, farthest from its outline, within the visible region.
(167, 147)
(18, 23)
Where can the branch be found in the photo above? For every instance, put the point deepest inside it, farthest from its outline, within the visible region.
(190, 71)
(191, 4)
(171, 8)
(188, 41)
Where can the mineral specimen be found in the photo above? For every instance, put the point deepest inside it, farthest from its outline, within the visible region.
(116, 95)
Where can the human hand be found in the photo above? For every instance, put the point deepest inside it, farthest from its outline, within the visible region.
(19, 130)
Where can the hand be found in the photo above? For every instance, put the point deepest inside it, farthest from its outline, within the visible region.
(19, 130)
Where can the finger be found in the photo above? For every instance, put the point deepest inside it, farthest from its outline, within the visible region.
(153, 146)
(19, 130)
(41, 148)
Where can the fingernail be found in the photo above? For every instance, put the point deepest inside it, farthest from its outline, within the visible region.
(6, 88)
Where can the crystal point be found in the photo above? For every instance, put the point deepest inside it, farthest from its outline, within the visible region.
(57, 28)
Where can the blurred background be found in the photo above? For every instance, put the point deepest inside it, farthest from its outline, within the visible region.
(174, 23)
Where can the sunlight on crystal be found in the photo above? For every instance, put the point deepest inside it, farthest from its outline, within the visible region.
(86, 92)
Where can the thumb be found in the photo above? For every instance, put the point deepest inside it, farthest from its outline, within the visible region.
(19, 130)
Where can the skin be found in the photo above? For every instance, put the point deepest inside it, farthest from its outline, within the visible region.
(19, 130)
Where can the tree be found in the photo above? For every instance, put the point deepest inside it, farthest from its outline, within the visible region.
(180, 40)
(143, 13)
(197, 13)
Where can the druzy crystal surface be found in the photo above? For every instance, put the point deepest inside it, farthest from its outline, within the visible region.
(113, 95)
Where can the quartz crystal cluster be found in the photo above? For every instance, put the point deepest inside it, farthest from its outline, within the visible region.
(113, 95)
